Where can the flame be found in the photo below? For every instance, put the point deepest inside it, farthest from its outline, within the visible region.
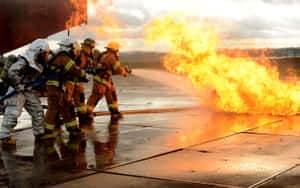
(105, 22)
(240, 84)
(78, 13)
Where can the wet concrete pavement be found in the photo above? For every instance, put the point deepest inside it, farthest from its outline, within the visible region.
(190, 148)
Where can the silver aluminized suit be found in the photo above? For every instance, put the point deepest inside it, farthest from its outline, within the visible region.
(22, 73)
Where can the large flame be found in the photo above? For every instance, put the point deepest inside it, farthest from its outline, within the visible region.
(78, 13)
(240, 84)
(105, 23)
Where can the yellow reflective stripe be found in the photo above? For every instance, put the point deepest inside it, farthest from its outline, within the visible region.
(82, 73)
(52, 83)
(113, 105)
(64, 88)
(116, 66)
(89, 43)
(79, 83)
(104, 56)
(53, 67)
(55, 83)
(80, 109)
(102, 81)
(49, 126)
(69, 65)
(71, 124)
(90, 108)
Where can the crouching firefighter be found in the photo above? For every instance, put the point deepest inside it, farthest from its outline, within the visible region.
(27, 68)
(58, 97)
(103, 84)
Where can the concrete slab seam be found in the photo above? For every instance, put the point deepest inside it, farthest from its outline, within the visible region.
(151, 126)
(143, 159)
(216, 139)
(232, 134)
(112, 166)
(273, 177)
(271, 134)
(168, 179)
(71, 179)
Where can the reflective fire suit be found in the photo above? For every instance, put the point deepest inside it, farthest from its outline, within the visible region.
(103, 84)
(21, 73)
(57, 92)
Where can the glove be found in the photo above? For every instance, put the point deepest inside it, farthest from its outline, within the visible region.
(125, 74)
(95, 70)
(128, 70)
(20, 88)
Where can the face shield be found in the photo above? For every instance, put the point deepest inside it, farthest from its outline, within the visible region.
(42, 57)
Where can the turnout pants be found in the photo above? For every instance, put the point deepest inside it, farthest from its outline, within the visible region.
(79, 98)
(58, 102)
(14, 106)
(99, 90)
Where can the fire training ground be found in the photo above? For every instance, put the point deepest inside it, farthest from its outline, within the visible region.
(152, 146)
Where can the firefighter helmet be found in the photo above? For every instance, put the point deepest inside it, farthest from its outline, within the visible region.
(69, 44)
(89, 42)
(113, 46)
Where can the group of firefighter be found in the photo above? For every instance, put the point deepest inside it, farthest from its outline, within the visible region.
(65, 71)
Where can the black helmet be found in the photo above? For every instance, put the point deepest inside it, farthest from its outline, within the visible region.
(89, 42)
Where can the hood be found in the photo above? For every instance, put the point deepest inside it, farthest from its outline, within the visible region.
(34, 48)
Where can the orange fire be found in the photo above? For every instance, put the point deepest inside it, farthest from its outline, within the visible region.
(105, 23)
(78, 11)
(240, 84)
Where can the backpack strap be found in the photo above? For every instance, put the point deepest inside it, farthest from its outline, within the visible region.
(54, 68)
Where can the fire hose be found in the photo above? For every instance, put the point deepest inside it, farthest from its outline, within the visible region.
(33, 85)
(37, 83)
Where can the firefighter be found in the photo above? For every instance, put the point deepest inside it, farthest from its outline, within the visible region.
(103, 84)
(58, 101)
(27, 68)
(84, 60)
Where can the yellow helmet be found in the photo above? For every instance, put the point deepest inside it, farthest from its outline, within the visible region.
(114, 46)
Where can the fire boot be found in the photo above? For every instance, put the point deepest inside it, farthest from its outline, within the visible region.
(46, 136)
(83, 117)
(88, 116)
(115, 114)
(76, 132)
(59, 122)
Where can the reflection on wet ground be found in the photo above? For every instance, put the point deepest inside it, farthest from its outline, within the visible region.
(191, 148)
(117, 143)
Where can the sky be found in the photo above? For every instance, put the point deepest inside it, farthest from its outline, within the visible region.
(239, 23)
